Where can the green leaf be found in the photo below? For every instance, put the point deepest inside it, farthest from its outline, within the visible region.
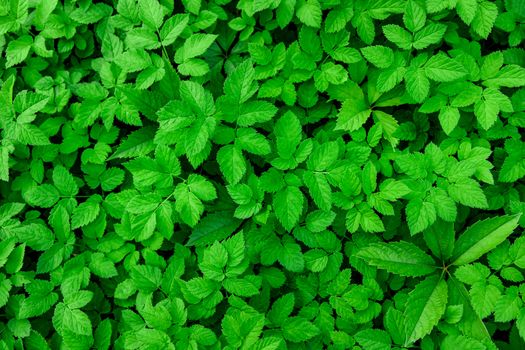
(510, 76)
(467, 10)
(508, 306)
(319, 220)
(111, 178)
(290, 256)
(394, 324)
(520, 324)
(316, 260)
(151, 13)
(43, 10)
(457, 341)
(8, 210)
(440, 239)
(402, 258)
(288, 132)
(444, 69)
(18, 50)
(429, 35)
(370, 221)
(210, 174)
(147, 278)
(420, 215)
(467, 97)
(199, 99)
(64, 181)
(379, 56)
(254, 112)
(102, 266)
(281, 309)
(319, 189)
(215, 226)
(488, 107)
(75, 321)
(392, 189)
(297, 329)
(194, 46)
(188, 205)
(4, 163)
(134, 60)
(251, 141)
(352, 115)
(337, 18)
(482, 237)
(5, 287)
(246, 287)
(483, 298)
(398, 36)
(138, 143)
(285, 12)
(231, 163)
(200, 287)
(27, 104)
(417, 84)
(484, 19)
(425, 306)
(201, 187)
(125, 289)
(214, 261)
(468, 192)
(78, 299)
(103, 335)
(6, 247)
(240, 85)
(172, 28)
(414, 16)
(84, 214)
(310, 13)
(44, 196)
(288, 205)
(449, 118)
(373, 339)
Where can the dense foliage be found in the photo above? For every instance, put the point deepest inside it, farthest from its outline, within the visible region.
(262, 175)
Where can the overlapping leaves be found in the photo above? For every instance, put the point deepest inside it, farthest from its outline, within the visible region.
(261, 174)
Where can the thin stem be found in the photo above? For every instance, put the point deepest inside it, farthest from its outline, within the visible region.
(164, 48)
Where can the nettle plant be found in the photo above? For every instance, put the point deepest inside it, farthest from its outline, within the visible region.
(262, 175)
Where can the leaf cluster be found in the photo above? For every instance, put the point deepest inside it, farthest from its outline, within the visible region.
(268, 175)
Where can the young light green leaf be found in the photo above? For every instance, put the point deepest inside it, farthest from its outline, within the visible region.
(448, 118)
(468, 192)
(373, 339)
(298, 329)
(444, 69)
(310, 13)
(17, 50)
(420, 215)
(288, 206)
(380, 56)
(151, 13)
(414, 16)
(231, 163)
(194, 46)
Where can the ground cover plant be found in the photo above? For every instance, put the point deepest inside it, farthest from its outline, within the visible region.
(262, 175)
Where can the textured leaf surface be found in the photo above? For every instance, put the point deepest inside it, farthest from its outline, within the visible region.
(401, 258)
(483, 236)
(425, 306)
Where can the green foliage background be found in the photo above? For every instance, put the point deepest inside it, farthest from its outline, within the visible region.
(268, 174)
